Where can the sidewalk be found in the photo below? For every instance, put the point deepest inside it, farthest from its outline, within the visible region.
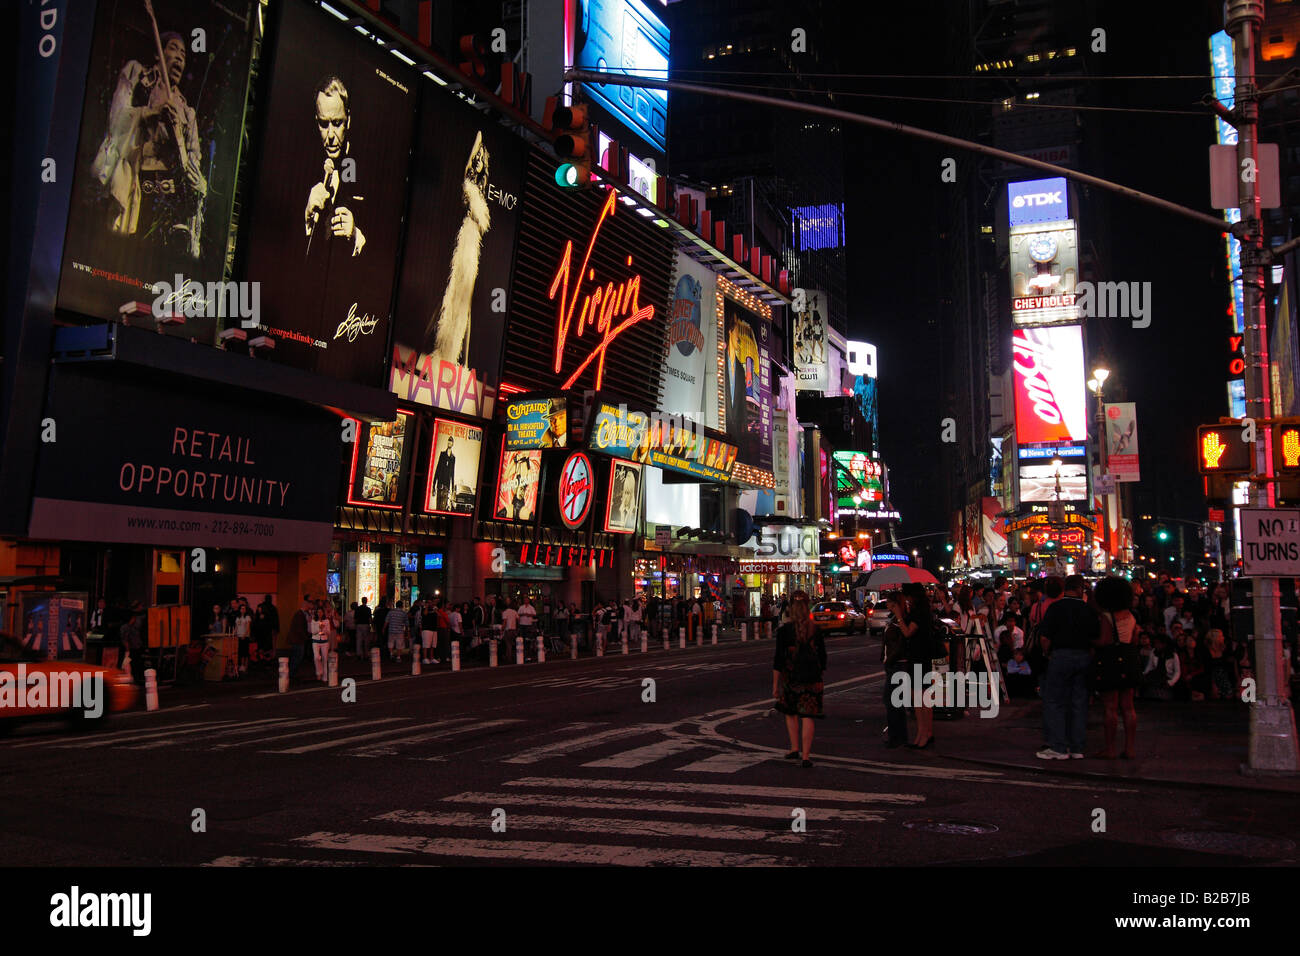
(1199, 745)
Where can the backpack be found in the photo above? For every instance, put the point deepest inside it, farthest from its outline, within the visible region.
(807, 664)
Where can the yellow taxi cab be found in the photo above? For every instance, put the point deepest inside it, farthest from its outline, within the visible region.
(33, 688)
(839, 616)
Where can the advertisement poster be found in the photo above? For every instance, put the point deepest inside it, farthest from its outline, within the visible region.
(1122, 441)
(691, 369)
(811, 340)
(517, 485)
(368, 577)
(54, 624)
(674, 444)
(1044, 263)
(377, 460)
(626, 36)
(202, 469)
(624, 505)
(575, 489)
(857, 473)
(326, 208)
(466, 203)
(453, 468)
(157, 157)
(537, 423)
(748, 398)
(1048, 382)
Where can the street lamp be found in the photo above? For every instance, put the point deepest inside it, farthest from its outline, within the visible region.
(1096, 384)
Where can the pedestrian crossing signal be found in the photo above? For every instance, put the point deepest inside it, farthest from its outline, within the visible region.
(1220, 450)
(1286, 448)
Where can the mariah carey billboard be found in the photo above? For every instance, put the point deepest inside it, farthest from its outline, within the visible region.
(1047, 368)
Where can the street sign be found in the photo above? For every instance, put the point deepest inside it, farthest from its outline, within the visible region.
(1270, 542)
(1216, 515)
(1103, 485)
(663, 536)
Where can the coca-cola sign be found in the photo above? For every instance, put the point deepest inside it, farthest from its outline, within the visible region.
(1048, 372)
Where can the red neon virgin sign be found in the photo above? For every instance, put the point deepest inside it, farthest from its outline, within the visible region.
(600, 307)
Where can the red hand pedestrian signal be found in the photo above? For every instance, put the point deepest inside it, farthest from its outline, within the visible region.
(1212, 449)
(1291, 447)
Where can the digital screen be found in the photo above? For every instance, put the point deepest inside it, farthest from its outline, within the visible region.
(1038, 200)
(624, 36)
(410, 561)
(433, 562)
(332, 582)
(1049, 389)
(1039, 482)
(818, 227)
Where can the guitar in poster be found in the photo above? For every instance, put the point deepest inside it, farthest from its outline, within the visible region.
(157, 159)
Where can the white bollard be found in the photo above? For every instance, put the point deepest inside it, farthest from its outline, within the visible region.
(767, 629)
(625, 643)
(492, 653)
(284, 675)
(573, 647)
(744, 631)
(150, 689)
(667, 645)
(415, 663)
(376, 669)
(715, 634)
(332, 669)
(681, 638)
(519, 650)
(455, 655)
(600, 647)
(541, 650)
(645, 643)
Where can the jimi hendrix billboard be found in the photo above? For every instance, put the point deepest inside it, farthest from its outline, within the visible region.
(156, 162)
(328, 201)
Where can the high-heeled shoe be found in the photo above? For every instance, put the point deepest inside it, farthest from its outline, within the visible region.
(793, 754)
(925, 746)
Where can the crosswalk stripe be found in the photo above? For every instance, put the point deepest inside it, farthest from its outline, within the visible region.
(726, 763)
(728, 809)
(229, 861)
(537, 851)
(722, 789)
(387, 748)
(124, 733)
(641, 756)
(617, 825)
(316, 728)
(565, 747)
(343, 741)
(176, 731)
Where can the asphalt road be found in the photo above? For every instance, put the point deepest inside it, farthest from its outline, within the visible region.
(565, 762)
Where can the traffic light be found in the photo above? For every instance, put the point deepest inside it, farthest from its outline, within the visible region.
(575, 144)
(948, 547)
(1220, 450)
(1161, 533)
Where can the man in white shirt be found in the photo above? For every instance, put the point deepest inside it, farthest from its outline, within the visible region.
(509, 625)
(528, 627)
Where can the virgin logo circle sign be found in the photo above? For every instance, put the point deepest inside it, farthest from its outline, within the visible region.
(575, 489)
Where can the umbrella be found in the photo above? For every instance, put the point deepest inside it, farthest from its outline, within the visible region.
(897, 574)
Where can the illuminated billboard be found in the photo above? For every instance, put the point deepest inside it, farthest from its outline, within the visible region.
(1039, 482)
(1048, 371)
(818, 227)
(151, 195)
(329, 195)
(377, 474)
(675, 444)
(691, 368)
(537, 423)
(857, 473)
(517, 485)
(746, 360)
(453, 468)
(811, 342)
(627, 37)
(1044, 263)
(466, 206)
(1037, 201)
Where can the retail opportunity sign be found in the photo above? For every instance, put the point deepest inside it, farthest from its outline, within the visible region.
(1048, 367)
(190, 470)
(1122, 441)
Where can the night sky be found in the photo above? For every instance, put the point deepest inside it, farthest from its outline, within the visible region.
(1174, 370)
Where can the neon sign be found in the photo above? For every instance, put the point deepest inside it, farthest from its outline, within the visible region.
(600, 306)
(576, 489)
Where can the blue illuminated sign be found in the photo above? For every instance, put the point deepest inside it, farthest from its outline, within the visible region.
(818, 227)
(1038, 200)
(433, 562)
(1052, 451)
(624, 36)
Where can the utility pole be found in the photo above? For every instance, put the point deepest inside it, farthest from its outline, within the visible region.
(1272, 721)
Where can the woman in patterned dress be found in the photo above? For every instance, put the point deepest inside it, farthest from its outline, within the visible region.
(797, 671)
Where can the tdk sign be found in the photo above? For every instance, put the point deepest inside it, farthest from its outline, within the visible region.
(1039, 200)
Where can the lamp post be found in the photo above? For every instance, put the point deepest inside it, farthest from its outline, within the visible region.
(1096, 384)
